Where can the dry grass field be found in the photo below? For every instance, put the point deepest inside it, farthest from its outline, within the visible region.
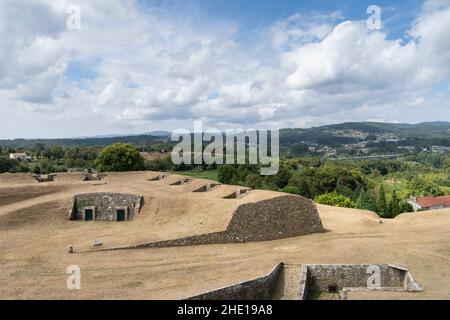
(35, 234)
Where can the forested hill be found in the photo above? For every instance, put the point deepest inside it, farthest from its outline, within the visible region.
(141, 140)
(427, 133)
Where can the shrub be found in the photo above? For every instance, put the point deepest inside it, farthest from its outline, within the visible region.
(336, 200)
(291, 189)
(254, 181)
(226, 174)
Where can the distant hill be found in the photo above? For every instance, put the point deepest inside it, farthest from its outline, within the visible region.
(139, 140)
(337, 134)
(426, 133)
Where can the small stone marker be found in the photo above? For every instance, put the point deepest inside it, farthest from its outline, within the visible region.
(97, 243)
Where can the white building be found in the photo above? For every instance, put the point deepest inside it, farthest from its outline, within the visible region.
(19, 156)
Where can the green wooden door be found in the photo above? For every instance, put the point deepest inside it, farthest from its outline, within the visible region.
(121, 215)
(88, 215)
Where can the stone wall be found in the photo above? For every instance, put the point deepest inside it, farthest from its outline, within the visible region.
(106, 205)
(321, 277)
(276, 218)
(301, 280)
(354, 277)
(257, 289)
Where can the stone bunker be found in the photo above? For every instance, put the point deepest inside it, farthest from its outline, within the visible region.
(45, 177)
(182, 182)
(239, 193)
(270, 219)
(159, 177)
(311, 282)
(207, 187)
(94, 177)
(105, 206)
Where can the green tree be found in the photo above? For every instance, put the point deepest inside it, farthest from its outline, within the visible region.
(254, 181)
(420, 187)
(281, 179)
(226, 173)
(382, 209)
(394, 205)
(405, 207)
(366, 201)
(119, 157)
(302, 184)
(7, 165)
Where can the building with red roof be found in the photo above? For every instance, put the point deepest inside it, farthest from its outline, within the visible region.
(430, 203)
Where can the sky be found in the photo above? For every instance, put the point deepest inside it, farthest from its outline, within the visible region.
(71, 68)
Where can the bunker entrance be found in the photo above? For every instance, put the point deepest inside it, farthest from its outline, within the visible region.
(160, 177)
(89, 215)
(332, 288)
(121, 215)
(238, 194)
(207, 187)
(181, 182)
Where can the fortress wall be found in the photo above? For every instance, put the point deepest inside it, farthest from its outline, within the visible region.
(257, 289)
(315, 278)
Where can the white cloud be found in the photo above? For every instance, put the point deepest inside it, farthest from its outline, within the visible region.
(153, 70)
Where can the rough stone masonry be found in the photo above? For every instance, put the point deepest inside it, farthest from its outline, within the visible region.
(270, 219)
(105, 205)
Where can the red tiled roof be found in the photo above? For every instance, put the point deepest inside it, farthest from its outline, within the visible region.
(426, 202)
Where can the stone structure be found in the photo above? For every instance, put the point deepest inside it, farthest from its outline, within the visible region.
(207, 187)
(159, 177)
(336, 278)
(94, 176)
(256, 289)
(429, 203)
(271, 219)
(105, 207)
(239, 193)
(300, 282)
(45, 177)
(182, 182)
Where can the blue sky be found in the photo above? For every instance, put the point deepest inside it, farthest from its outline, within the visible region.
(138, 66)
(254, 14)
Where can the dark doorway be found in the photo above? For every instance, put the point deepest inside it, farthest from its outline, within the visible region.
(88, 215)
(121, 216)
(333, 288)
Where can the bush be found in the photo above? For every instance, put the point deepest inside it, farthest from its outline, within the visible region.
(291, 190)
(226, 174)
(254, 181)
(164, 164)
(120, 157)
(336, 200)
